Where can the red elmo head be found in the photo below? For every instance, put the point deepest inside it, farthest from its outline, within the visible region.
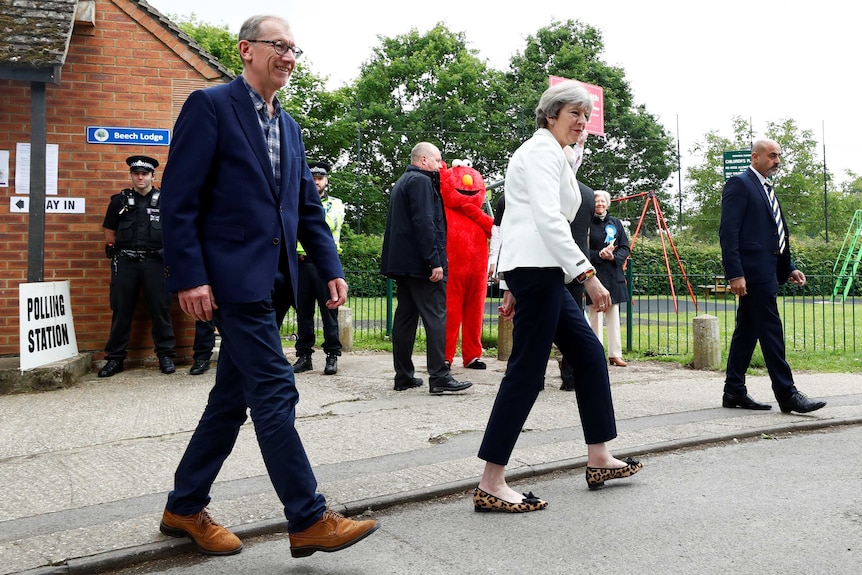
(462, 184)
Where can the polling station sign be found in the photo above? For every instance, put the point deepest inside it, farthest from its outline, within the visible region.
(138, 136)
(47, 328)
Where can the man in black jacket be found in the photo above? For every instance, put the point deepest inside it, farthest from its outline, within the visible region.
(414, 255)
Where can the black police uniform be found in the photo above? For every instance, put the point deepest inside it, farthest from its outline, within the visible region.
(137, 265)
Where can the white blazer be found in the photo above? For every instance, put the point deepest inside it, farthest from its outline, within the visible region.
(542, 198)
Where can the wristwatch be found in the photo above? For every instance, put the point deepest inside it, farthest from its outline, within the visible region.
(586, 275)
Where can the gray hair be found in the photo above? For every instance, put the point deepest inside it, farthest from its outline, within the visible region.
(251, 27)
(603, 194)
(559, 95)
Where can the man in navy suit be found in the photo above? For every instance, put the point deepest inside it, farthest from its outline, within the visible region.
(755, 251)
(237, 194)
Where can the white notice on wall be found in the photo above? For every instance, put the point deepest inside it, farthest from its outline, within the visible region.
(4, 168)
(22, 168)
(47, 327)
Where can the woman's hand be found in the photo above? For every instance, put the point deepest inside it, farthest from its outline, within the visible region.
(507, 307)
(600, 296)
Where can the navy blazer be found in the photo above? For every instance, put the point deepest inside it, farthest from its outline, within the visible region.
(748, 234)
(223, 218)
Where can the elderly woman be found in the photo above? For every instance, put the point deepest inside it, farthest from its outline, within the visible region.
(609, 249)
(537, 258)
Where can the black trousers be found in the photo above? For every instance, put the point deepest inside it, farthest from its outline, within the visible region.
(546, 313)
(757, 319)
(204, 340)
(128, 279)
(578, 292)
(313, 290)
(418, 297)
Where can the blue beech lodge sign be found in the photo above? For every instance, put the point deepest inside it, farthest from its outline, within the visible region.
(139, 136)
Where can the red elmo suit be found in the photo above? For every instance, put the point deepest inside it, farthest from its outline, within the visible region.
(468, 230)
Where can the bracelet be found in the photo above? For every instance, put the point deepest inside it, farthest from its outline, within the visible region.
(586, 275)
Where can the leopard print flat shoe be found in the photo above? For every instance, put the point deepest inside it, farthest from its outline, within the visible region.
(484, 502)
(596, 476)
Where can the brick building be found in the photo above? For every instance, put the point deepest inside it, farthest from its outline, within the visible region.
(89, 64)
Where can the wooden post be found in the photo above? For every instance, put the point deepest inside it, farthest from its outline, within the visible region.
(504, 338)
(345, 328)
(707, 345)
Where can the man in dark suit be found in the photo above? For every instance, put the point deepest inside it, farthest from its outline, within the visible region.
(755, 251)
(237, 195)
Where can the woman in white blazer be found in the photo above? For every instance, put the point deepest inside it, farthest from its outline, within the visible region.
(537, 258)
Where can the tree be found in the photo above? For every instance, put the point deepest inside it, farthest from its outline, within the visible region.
(217, 40)
(428, 87)
(799, 182)
(638, 154)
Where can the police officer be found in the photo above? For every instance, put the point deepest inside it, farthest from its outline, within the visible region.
(133, 237)
(312, 288)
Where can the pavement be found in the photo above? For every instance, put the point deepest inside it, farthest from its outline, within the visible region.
(85, 470)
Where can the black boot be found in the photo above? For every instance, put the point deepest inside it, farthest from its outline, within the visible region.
(331, 367)
(303, 363)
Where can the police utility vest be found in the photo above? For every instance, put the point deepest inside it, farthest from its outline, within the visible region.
(140, 225)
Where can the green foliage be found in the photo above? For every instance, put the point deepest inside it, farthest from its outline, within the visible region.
(799, 182)
(215, 39)
(361, 253)
(429, 87)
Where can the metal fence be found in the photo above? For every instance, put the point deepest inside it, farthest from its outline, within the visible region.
(658, 318)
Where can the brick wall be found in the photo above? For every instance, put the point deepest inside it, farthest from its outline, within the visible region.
(130, 70)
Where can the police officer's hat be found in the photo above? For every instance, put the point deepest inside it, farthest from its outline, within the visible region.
(319, 168)
(142, 163)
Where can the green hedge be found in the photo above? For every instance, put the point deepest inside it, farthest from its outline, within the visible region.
(703, 262)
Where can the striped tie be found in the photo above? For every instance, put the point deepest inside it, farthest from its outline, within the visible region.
(776, 214)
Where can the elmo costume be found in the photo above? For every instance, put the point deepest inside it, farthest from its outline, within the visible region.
(468, 230)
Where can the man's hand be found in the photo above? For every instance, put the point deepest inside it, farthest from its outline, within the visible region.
(436, 274)
(337, 293)
(797, 277)
(198, 302)
(737, 286)
(600, 296)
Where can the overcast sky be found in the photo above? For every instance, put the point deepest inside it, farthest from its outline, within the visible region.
(694, 65)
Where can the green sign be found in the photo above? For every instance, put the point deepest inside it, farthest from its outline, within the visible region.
(736, 162)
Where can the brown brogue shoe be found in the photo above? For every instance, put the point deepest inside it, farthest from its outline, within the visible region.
(617, 361)
(332, 532)
(209, 537)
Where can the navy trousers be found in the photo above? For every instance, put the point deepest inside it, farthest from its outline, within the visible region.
(253, 374)
(757, 319)
(546, 313)
(313, 290)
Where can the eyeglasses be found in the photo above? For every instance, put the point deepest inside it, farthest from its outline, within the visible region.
(281, 48)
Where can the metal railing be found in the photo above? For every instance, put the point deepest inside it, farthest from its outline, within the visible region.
(654, 321)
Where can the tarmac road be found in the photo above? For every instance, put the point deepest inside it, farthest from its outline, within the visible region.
(84, 471)
(789, 504)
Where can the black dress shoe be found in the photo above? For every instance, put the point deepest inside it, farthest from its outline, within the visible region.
(403, 386)
(743, 401)
(166, 364)
(331, 367)
(200, 366)
(303, 363)
(449, 385)
(477, 364)
(799, 403)
(568, 384)
(112, 367)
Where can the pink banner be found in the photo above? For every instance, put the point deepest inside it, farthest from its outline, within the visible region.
(596, 125)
